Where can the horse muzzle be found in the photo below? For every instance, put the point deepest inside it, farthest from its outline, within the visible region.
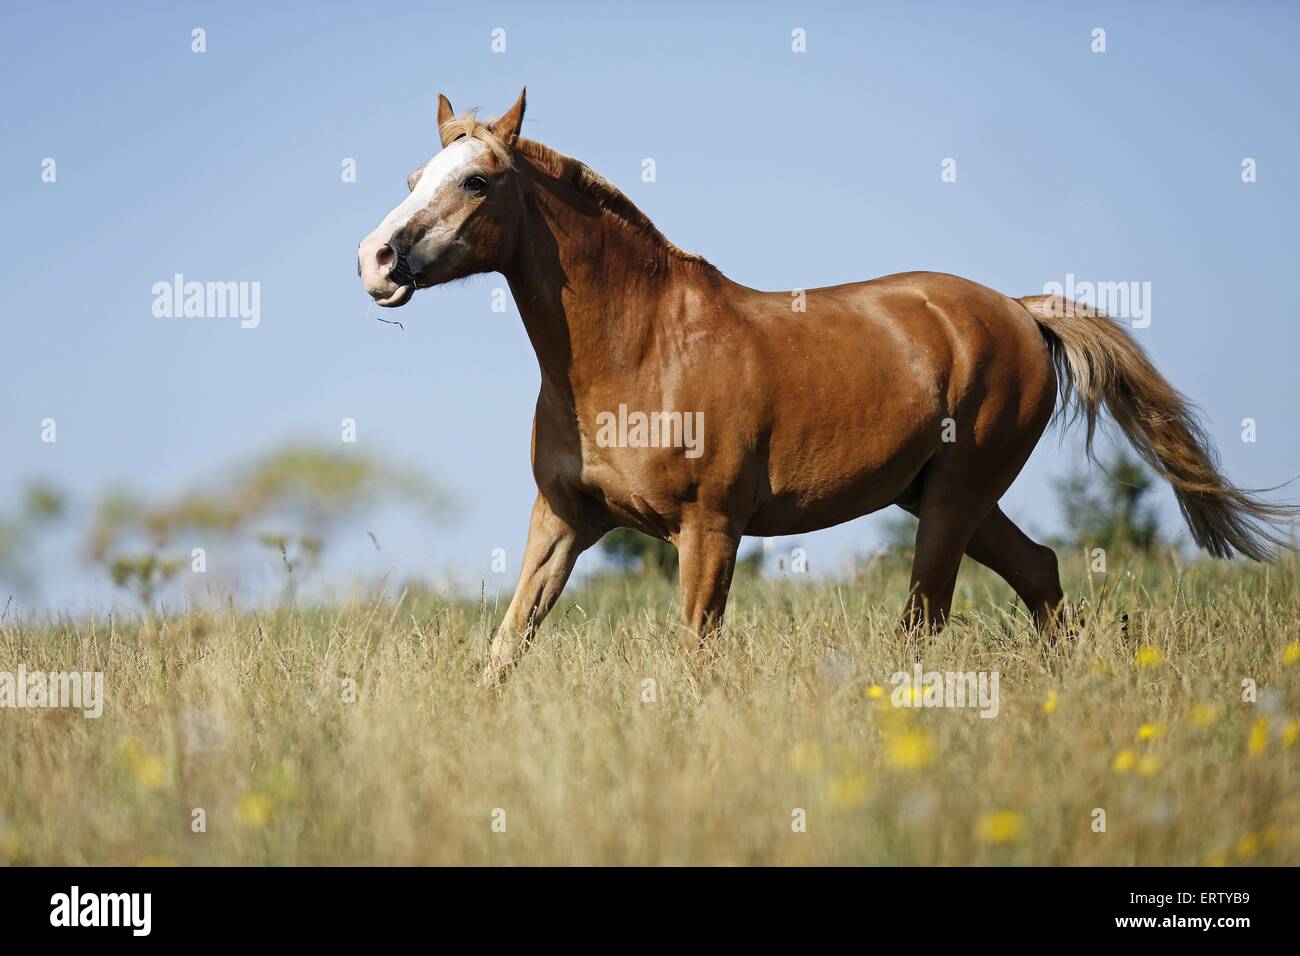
(385, 273)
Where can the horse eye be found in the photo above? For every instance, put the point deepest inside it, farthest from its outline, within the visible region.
(475, 184)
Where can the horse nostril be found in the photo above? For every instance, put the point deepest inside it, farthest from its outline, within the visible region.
(385, 256)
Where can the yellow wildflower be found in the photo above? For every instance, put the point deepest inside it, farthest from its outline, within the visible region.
(130, 749)
(254, 810)
(1005, 826)
(1124, 761)
(1148, 656)
(11, 847)
(1151, 731)
(1258, 737)
(845, 793)
(150, 772)
(1049, 705)
(1247, 846)
(910, 750)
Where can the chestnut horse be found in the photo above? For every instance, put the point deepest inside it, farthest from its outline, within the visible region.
(809, 408)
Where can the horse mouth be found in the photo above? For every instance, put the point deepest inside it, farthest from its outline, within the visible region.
(398, 297)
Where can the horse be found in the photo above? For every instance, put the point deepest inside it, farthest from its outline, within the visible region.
(812, 407)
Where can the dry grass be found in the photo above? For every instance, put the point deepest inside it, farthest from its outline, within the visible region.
(244, 716)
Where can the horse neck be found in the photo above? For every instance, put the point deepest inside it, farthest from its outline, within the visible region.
(589, 287)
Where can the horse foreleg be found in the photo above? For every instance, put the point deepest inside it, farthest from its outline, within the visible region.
(707, 560)
(554, 544)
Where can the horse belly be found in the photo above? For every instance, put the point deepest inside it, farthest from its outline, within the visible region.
(846, 445)
(834, 493)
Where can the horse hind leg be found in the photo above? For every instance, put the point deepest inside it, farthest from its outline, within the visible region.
(942, 534)
(997, 543)
(1029, 567)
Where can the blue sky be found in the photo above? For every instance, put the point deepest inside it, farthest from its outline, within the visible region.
(784, 169)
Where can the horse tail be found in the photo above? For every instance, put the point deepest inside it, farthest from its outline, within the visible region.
(1098, 364)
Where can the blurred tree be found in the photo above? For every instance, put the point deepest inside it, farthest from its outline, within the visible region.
(43, 504)
(1113, 508)
(309, 488)
(144, 573)
(633, 551)
(288, 500)
(898, 536)
(11, 549)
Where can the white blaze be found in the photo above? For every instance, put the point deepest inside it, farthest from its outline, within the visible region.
(448, 166)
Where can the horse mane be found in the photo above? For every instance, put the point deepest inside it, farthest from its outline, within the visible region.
(589, 183)
(467, 124)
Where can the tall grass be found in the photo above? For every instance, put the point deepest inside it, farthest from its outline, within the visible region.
(581, 759)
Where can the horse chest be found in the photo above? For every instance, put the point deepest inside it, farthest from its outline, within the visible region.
(629, 485)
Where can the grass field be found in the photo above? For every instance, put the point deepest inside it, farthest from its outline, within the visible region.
(250, 717)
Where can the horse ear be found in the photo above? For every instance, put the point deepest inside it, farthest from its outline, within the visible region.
(445, 114)
(506, 128)
(413, 180)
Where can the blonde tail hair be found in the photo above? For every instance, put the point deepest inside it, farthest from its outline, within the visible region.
(1099, 365)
